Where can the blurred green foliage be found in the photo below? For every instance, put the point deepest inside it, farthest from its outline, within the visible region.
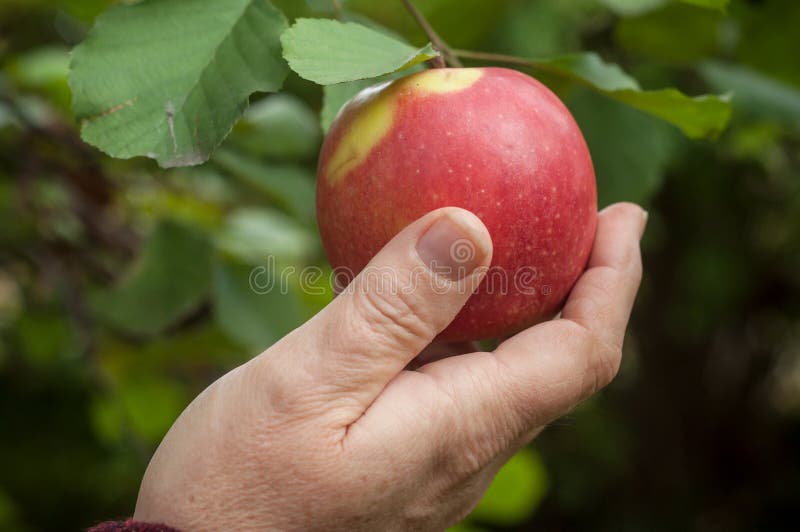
(125, 289)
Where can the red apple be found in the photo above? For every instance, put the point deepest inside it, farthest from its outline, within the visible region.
(490, 140)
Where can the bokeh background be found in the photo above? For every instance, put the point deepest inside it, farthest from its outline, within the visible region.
(124, 287)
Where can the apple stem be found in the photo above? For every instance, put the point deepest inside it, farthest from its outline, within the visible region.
(448, 57)
(437, 62)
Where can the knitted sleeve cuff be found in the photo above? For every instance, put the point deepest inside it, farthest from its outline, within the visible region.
(131, 526)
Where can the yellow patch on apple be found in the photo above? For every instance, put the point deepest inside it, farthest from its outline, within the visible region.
(369, 128)
(364, 133)
(445, 80)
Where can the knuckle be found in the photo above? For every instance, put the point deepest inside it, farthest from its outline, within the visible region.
(605, 366)
(472, 460)
(395, 313)
(632, 261)
(602, 359)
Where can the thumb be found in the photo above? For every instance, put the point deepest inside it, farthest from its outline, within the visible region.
(410, 291)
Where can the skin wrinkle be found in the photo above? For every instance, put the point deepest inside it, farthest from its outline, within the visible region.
(282, 397)
(421, 379)
(423, 414)
(518, 401)
(475, 457)
(279, 378)
(403, 375)
(370, 309)
(601, 350)
(423, 386)
(319, 455)
(296, 399)
(588, 310)
(396, 314)
(602, 278)
(359, 413)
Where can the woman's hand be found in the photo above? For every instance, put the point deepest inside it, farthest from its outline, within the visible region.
(326, 430)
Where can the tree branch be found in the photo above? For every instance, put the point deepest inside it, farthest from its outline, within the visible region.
(434, 37)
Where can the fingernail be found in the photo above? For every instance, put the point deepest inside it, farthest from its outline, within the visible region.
(645, 216)
(449, 248)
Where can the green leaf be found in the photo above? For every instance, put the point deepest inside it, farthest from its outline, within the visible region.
(168, 281)
(466, 527)
(515, 492)
(151, 404)
(252, 305)
(590, 69)
(463, 23)
(638, 7)
(168, 79)
(541, 29)
(200, 343)
(630, 150)
(279, 127)
(41, 67)
(698, 117)
(43, 339)
(327, 51)
(630, 8)
(719, 5)
(253, 234)
(755, 93)
(290, 187)
(108, 419)
(766, 38)
(678, 34)
(83, 10)
(325, 6)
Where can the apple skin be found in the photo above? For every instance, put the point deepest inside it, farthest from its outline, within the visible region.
(490, 140)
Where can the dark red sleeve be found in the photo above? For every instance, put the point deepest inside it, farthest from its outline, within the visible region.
(131, 526)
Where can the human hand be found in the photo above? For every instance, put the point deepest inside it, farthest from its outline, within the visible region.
(327, 430)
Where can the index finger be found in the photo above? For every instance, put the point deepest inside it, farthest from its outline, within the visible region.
(602, 299)
(543, 372)
(587, 340)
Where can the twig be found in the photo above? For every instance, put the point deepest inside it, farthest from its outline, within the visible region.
(14, 109)
(337, 7)
(434, 37)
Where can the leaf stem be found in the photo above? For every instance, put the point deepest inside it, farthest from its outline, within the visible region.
(434, 37)
(541, 66)
(497, 58)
